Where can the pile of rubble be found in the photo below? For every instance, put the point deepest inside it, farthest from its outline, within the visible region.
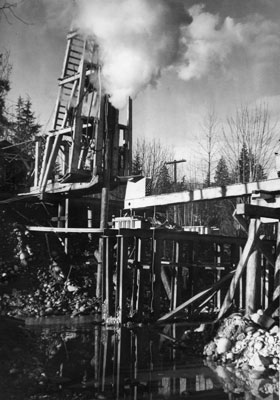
(246, 342)
(37, 282)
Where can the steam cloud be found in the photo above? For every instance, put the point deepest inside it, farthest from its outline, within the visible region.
(140, 39)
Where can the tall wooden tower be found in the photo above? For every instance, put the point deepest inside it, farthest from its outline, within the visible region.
(87, 148)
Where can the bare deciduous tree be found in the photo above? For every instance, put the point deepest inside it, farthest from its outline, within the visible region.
(153, 155)
(7, 10)
(209, 142)
(5, 66)
(250, 128)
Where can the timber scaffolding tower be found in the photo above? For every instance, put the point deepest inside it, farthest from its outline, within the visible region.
(88, 153)
(87, 148)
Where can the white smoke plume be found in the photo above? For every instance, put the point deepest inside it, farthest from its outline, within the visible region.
(140, 39)
(137, 39)
(206, 42)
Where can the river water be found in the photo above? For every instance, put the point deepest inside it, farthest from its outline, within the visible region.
(92, 361)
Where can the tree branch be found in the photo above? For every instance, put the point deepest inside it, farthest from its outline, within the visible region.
(9, 8)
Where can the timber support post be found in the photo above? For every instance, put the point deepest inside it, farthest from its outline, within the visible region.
(276, 292)
(249, 247)
(107, 276)
(136, 304)
(156, 275)
(121, 290)
(177, 279)
(253, 281)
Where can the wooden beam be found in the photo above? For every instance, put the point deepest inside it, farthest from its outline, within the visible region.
(67, 131)
(169, 234)
(72, 78)
(38, 152)
(64, 230)
(246, 189)
(51, 162)
(254, 211)
(166, 283)
(57, 188)
(47, 152)
(252, 236)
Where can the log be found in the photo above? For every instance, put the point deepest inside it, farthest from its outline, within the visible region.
(250, 244)
(276, 291)
(253, 283)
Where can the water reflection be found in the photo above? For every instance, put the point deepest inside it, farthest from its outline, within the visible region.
(139, 363)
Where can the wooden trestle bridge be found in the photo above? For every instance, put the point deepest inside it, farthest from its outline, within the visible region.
(88, 155)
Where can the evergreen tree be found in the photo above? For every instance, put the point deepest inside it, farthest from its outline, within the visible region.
(243, 166)
(164, 183)
(5, 70)
(25, 126)
(136, 164)
(4, 88)
(248, 169)
(222, 176)
(250, 139)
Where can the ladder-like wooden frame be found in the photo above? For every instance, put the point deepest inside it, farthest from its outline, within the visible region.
(86, 139)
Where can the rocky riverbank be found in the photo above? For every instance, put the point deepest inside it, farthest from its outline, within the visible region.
(245, 353)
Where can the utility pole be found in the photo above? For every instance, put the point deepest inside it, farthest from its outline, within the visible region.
(174, 163)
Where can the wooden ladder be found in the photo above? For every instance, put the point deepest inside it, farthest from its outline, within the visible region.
(68, 142)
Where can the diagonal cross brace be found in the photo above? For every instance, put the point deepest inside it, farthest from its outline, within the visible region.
(254, 227)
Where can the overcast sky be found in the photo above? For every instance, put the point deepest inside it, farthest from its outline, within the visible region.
(177, 58)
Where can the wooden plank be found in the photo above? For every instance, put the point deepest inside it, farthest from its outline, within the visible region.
(271, 185)
(56, 188)
(38, 152)
(64, 230)
(47, 152)
(51, 162)
(166, 283)
(198, 297)
(255, 211)
(252, 236)
(67, 131)
(177, 277)
(69, 79)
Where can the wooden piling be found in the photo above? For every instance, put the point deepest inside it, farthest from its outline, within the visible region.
(276, 291)
(253, 282)
(139, 277)
(252, 236)
(177, 277)
(156, 276)
(107, 276)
